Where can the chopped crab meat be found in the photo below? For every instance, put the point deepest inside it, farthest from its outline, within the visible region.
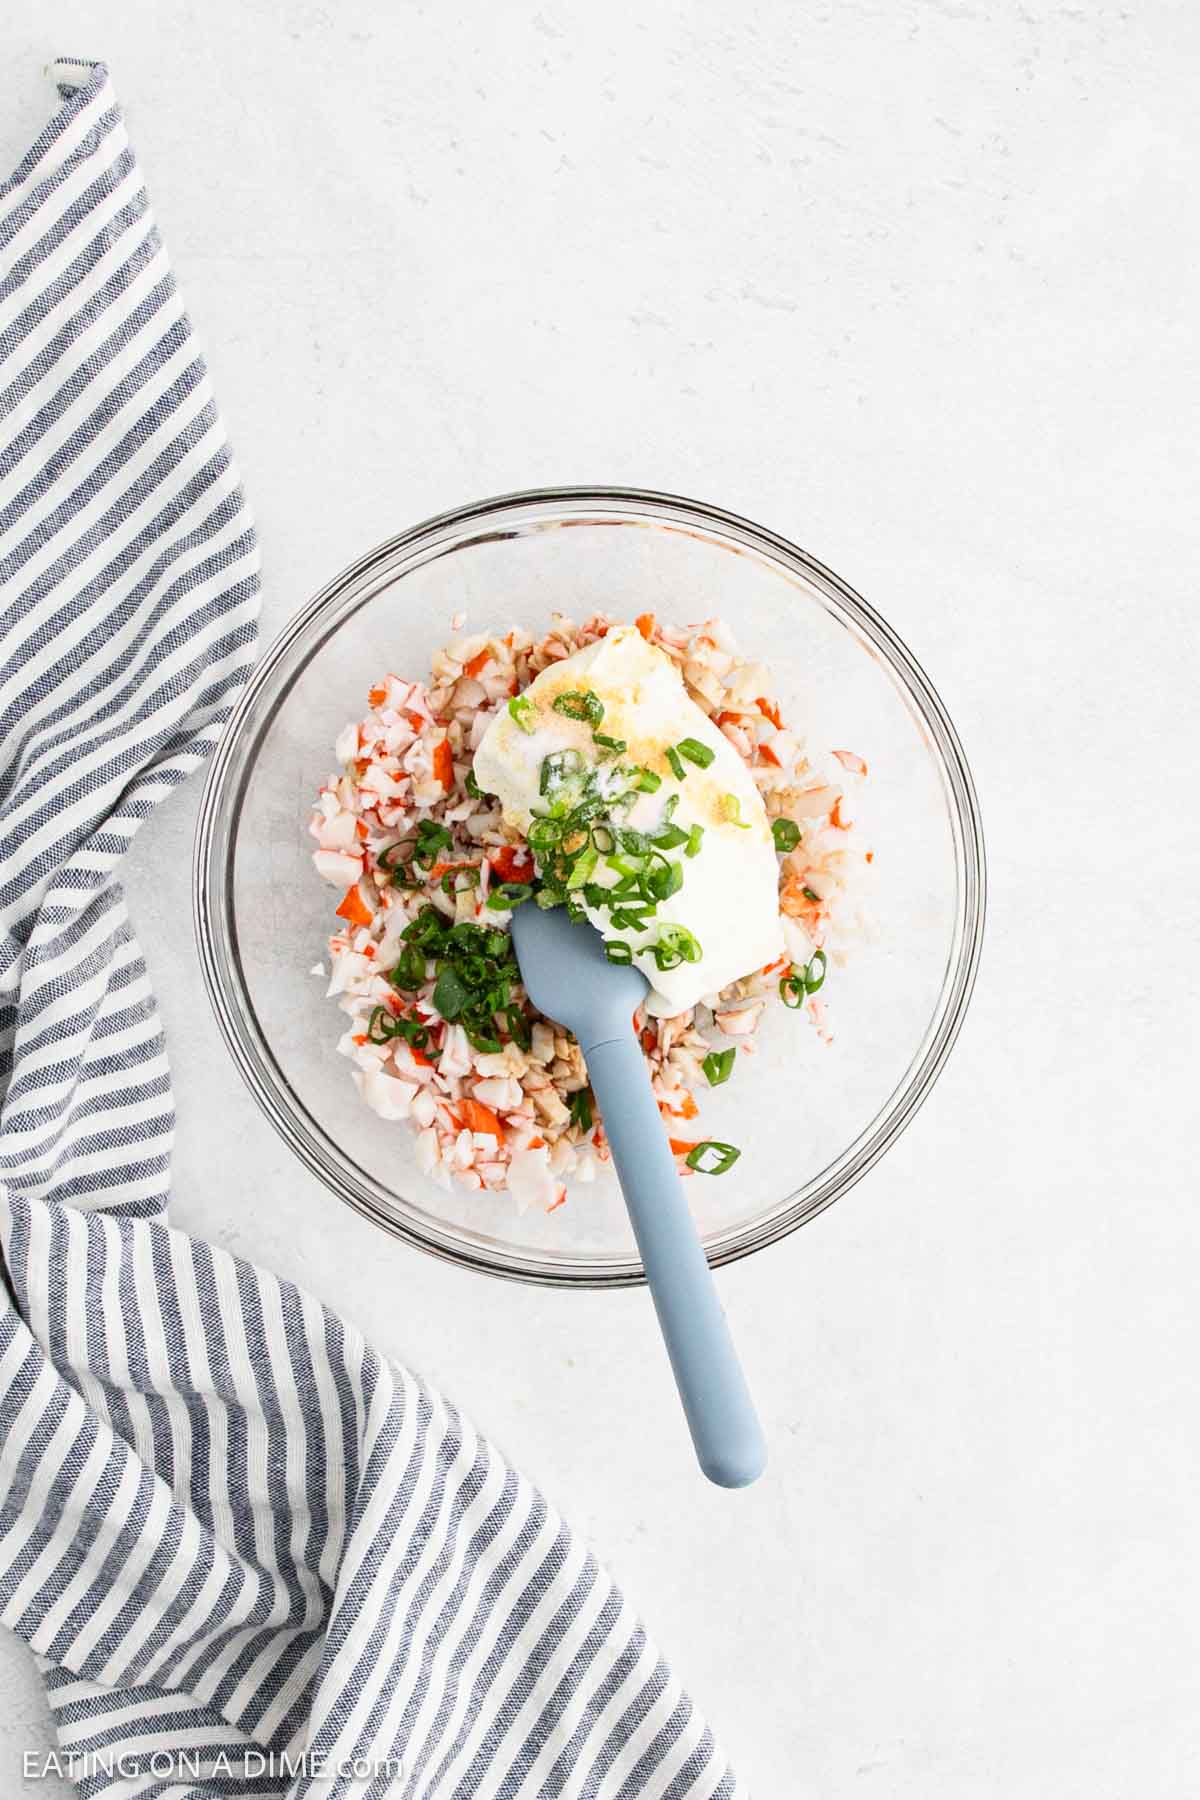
(739, 1024)
(502, 1093)
(340, 868)
(385, 1094)
(530, 1181)
(336, 832)
(812, 802)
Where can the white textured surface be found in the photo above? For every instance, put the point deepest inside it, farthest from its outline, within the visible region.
(915, 286)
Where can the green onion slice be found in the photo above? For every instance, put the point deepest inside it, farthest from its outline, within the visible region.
(731, 809)
(582, 867)
(791, 989)
(718, 1066)
(799, 983)
(677, 768)
(617, 952)
(695, 751)
(663, 877)
(559, 768)
(786, 834)
(509, 894)
(523, 712)
(712, 1157)
(679, 938)
(545, 835)
(586, 706)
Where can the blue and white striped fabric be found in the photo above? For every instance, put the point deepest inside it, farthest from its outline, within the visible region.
(251, 1556)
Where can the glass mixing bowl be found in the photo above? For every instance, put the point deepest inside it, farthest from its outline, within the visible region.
(810, 1117)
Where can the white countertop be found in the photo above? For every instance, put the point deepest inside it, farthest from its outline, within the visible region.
(910, 285)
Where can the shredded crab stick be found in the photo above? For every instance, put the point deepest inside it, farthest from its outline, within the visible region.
(428, 866)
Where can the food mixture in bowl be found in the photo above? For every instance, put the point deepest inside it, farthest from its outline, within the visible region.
(639, 774)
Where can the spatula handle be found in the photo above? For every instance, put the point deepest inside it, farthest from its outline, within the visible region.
(720, 1413)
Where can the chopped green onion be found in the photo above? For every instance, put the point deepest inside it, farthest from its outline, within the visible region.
(523, 712)
(695, 839)
(626, 918)
(617, 952)
(426, 928)
(430, 839)
(518, 1027)
(582, 867)
(610, 745)
(586, 706)
(558, 768)
(791, 989)
(813, 977)
(718, 1066)
(581, 1109)
(677, 768)
(397, 867)
(669, 809)
(786, 834)
(810, 895)
(545, 835)
(509, 894)
(799, 983)
(679, 938)
(731, 809)
(725, 1156)
(695, 751)
(383, 1026)
(472, 786)
(548, 897)
(669, 837)
(603, 839)
(663, 877)
(647, 781)
(414, 1033)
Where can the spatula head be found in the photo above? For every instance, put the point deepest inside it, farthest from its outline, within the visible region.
(568, 976)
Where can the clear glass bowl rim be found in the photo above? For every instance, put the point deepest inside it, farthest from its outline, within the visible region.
(220, 806)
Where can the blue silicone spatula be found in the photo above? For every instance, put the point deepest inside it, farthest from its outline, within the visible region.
(568, 977)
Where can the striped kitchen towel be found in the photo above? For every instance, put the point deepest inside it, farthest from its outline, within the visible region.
(251, 1556)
